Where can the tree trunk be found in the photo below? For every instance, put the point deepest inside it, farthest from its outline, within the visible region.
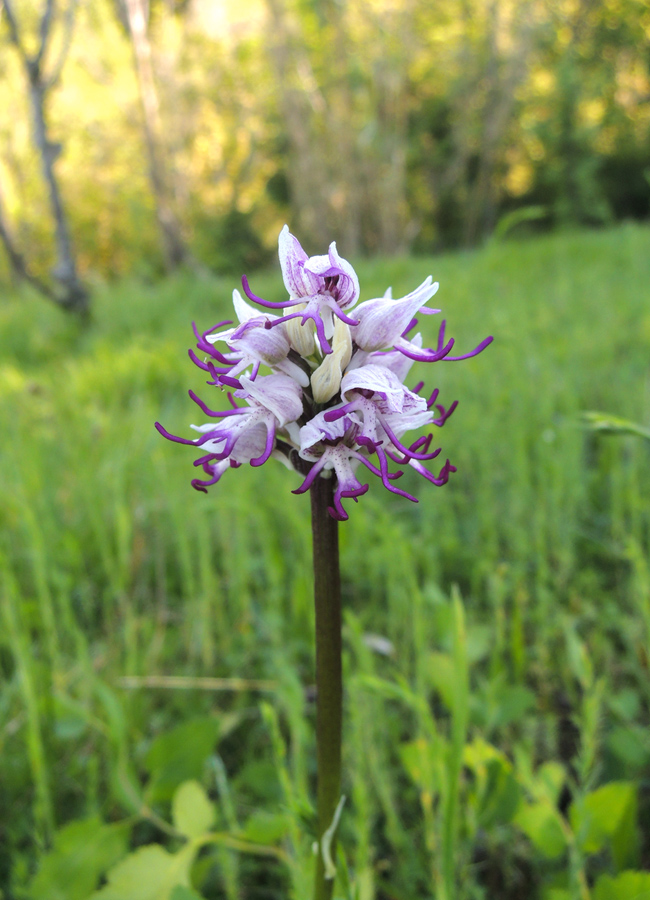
(174, 249)
(17, 262)
(75, 296)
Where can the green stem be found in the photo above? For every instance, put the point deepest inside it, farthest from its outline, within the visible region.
(329, 680)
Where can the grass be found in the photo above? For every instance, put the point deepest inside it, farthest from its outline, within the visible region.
(112, 566)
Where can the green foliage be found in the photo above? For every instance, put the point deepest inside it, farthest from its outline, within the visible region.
(543, 824)
(627, 886)
(266, 827)
(497, 741)
(609, 424)
(192, 812)
(81, 853)
(608, 814)
(150, 873)
(496, 793)
(180, 754)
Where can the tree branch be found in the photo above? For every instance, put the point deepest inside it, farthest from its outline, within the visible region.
(45, 31)
(14, 34)
(68, 28)
(16, 259)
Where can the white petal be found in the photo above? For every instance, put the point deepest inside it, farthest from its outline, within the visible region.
(243, 310)
(279, 394)
(292, 260)
(378, 379)
(383, 320)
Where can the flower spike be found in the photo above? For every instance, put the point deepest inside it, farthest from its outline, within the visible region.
(321, 386)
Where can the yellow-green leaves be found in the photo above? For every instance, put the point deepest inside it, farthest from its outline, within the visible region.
(82, 851)
(543, 825)
(607, 816)
(192, 813)
(150, 873)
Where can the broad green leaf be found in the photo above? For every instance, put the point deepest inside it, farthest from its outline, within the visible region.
(179, 755)
(549, 781)
(500, 796)
(441, 674)
(479, 752)
(513, 702)
(151, 873)
(625, 703)
(258, 780)
(266, 828)
(607, 814)
(192, 812)
(626, 886)
(497, 790)
(480, 639)
(542, 824)
(630, 745)
(69, 728)
(82, 851)
(181, 892)
(578, 656)
(114, 711)
(422, 764)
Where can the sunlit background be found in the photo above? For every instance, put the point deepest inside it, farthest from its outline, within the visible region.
(397, 126)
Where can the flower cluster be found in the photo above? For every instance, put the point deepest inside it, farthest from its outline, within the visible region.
(334, 400)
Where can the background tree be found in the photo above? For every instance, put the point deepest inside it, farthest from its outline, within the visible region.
(135, 14)
(393, 126)
(41, 80)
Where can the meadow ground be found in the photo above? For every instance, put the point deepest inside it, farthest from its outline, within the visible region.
(497, 742)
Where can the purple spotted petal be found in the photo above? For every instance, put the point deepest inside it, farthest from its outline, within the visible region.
(298, 282)
(382, 321)
(339, 277)
(379, 380)
(279, 394)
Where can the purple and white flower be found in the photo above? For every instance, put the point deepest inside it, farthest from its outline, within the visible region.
(331, 407)
(320, 287)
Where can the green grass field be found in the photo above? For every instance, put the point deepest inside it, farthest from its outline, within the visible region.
(497, 747)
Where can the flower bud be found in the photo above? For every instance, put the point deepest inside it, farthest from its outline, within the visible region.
(301, 336)
(326, 380)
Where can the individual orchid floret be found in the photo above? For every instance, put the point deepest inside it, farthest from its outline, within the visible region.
(386, 322)
(383, 321)
(254, 344)
(387, 409)
(337, 445)
(274, 402)
(305, 276)
(320, 288)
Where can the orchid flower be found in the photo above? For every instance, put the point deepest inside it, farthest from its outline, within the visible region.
(318, 389)
(320, 287)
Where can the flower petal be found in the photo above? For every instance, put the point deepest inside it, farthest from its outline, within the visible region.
(292, 262)
(279, 394)
(378, 379)
(382, 321)
(345, 288)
